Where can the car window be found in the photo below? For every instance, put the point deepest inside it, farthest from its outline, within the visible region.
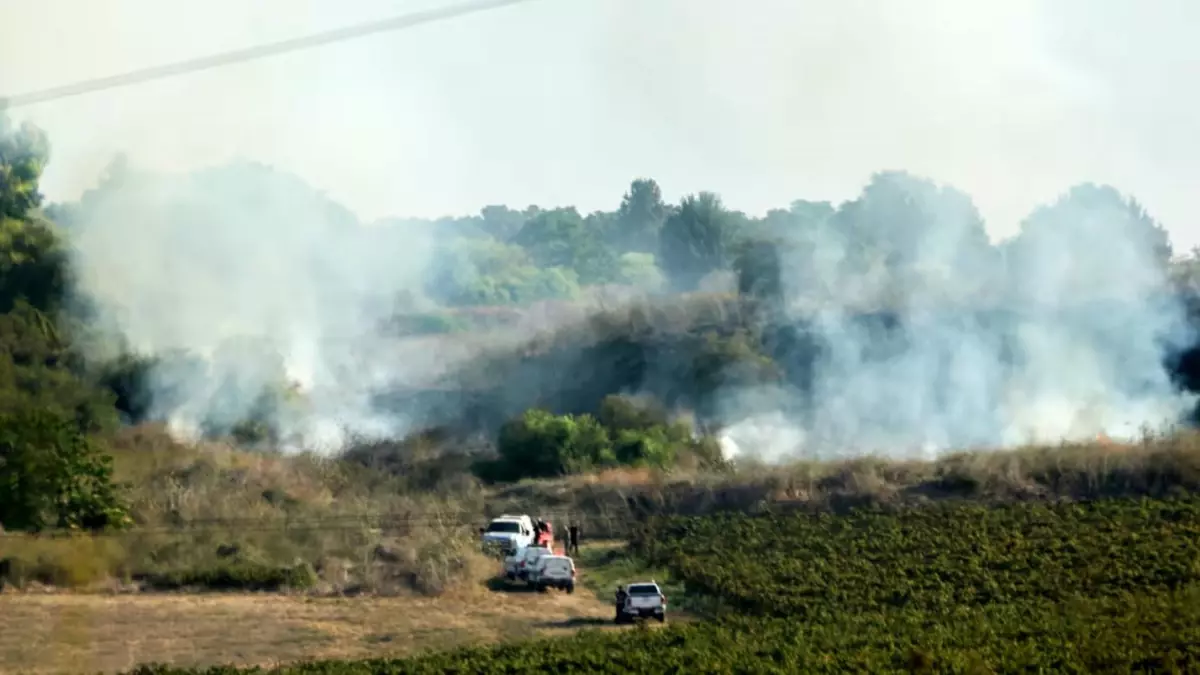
(501, 526)
(643, 589)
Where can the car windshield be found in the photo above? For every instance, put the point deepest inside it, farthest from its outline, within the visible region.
(643, 589)
(536, 552)
(504, 526)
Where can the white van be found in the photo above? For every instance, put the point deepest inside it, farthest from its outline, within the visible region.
(519, 566)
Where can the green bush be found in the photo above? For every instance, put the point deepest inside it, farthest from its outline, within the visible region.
(237, 575)
(541, 444)
(54, 476)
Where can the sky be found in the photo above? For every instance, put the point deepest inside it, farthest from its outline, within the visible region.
(559, 102)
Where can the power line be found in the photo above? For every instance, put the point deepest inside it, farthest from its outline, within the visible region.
(262, 51)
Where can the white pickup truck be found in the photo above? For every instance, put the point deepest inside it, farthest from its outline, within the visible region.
(642, 599)
(553, 571)
(519, 565)
(508, 533)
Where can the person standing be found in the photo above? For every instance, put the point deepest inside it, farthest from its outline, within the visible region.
(573, 537)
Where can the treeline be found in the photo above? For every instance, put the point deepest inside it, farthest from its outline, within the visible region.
(904, 242)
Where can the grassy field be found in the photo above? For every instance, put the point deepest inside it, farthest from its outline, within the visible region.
(1109, 585)
(93, 633)
(1075, 558)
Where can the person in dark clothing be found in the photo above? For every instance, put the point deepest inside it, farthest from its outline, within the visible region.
(621, 596)
(573, 538)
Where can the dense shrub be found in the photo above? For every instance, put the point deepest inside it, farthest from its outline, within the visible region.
(237, 575)
(541, 444)
(52, 475)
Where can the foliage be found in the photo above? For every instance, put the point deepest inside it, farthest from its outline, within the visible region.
(540, 444)
(237, 575)
(561, 238)
(936, 559)
(23, 155)
(639, 218)
(488, 272)
(52, 475)
(38, 369)
(696, 239)
(640, 270)
(33, 266)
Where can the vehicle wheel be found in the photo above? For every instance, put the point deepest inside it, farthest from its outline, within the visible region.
(570, 588)
(662, 618)
(542, 588)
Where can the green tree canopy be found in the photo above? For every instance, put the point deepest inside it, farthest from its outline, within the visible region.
(24, 151)
(696, 239)
(639, 218)
(562, 238)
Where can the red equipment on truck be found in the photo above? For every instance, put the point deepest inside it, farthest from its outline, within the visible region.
(543, 534)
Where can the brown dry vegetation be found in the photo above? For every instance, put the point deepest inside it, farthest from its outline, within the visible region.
(367, 530)
(211, 506)
(90, 633)
(1152, 466)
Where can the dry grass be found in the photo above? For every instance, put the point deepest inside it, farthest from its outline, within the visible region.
(277, 510)
(90, 633)
(606, 502)
(212, 507)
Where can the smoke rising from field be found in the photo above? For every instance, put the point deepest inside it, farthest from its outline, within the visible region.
(762, 103)
(1058, 334)
(921, 335)
(259, 280)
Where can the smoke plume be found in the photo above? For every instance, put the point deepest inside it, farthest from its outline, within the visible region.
(943, 341)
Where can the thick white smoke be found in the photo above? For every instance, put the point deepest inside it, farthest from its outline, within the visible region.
(1060, 333)
(261, 281)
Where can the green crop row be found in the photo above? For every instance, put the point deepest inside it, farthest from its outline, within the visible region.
(939, 558)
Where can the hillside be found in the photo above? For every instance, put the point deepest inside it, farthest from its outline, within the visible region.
(223, 380)
(1106, 584)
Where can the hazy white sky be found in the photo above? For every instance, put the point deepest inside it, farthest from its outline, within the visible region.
(565, 101)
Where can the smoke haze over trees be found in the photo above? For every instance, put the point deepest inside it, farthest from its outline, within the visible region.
(238, 301)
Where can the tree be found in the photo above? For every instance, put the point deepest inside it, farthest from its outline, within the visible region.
(639, 218)
(561, 238)
(33, 265)
(760, 271)
(23, 155)
(487, 272)
(40, 369)
(1127, 250)
(501, 222)
(695, 240)
(52, 475)
(906, 235)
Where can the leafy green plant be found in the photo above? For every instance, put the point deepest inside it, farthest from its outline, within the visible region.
(52, 475)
